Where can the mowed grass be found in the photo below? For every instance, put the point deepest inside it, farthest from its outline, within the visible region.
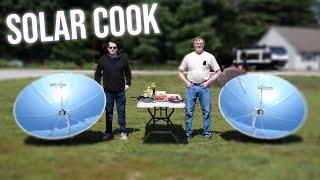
(228, 155)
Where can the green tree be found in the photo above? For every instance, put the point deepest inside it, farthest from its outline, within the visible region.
(191, 22)
(29, 53)
(76, 51)
(257, 16)
(226, 27)
(225, 24)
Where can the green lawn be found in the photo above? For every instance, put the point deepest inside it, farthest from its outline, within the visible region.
(228, 155)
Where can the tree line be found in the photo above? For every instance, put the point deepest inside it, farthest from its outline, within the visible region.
(225, 24)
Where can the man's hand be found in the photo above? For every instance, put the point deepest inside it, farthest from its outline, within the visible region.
(188, 83)
(181, 76)
(205, 84)
(212, 79)
(126, 87)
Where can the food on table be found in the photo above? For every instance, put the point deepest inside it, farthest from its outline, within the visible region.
(175, 99)
(171, 98)
(161, 97)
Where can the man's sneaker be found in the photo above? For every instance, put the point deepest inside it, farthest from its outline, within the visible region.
(124, 136)
(107, 136)
(188, 137)
(207, 136)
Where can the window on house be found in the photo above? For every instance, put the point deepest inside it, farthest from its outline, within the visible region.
(308, 56)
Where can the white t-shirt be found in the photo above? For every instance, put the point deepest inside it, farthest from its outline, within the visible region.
(199, 66)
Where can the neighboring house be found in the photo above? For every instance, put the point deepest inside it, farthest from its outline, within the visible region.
(301, 44)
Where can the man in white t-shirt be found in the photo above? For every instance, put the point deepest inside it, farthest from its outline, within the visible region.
(199, 65)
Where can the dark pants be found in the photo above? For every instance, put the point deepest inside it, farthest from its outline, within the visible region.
(120, 99)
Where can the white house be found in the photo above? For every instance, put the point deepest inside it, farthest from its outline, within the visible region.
(301, 44)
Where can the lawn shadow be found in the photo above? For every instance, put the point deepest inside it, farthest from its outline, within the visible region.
(164, 137)
(129, 131)
(87, 137)
(199, 132)
(239, 137)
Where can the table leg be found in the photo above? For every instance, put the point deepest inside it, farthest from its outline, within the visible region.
(152, 117)
(168, 118)
(165, 118)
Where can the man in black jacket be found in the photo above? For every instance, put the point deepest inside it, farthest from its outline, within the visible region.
(116, 75)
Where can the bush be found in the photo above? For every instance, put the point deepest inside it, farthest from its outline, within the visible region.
(88, 66)
(14, 63)
(3, 63)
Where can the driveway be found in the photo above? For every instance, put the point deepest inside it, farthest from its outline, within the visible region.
(27, 73)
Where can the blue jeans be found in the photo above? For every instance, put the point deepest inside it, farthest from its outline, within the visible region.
(120, 99)
(204, 94)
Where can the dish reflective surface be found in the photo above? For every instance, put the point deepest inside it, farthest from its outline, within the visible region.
(59, 106)
(262, 106)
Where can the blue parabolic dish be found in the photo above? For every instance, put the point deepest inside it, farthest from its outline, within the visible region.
(59, 106)
(262, 106)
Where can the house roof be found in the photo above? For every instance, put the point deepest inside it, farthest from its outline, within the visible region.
(304, 39)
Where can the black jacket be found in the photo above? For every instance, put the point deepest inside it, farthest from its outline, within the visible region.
(116, 73)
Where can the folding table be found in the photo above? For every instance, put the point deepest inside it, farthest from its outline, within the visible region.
(159, 110)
